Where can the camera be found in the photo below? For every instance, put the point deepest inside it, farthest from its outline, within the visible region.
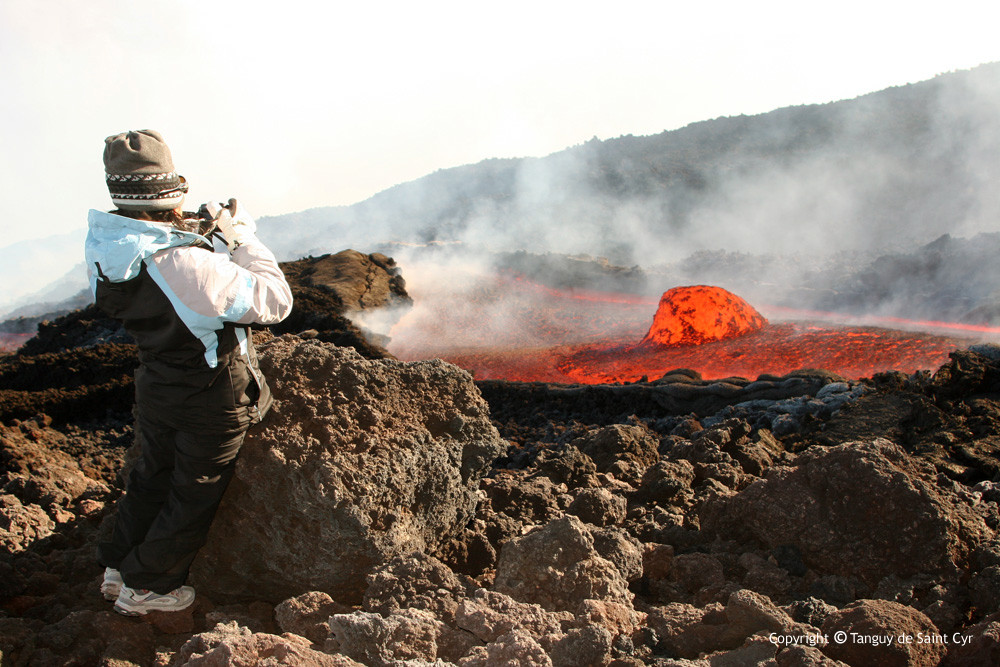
(208, 214)
(211, 210)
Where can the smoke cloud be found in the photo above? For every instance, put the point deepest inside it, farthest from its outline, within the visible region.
(815, 207)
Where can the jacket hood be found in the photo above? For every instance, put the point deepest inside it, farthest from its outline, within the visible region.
(116, 245)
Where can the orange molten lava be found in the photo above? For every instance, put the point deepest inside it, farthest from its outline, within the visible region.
(511, 328)
(701, 314)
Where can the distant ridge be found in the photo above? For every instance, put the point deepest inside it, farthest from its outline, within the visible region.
(899, 166)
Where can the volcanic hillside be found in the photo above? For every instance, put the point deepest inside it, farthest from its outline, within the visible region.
(392, 513)
(892, 170)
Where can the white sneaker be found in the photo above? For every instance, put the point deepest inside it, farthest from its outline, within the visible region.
(139, 602)
(112, 584)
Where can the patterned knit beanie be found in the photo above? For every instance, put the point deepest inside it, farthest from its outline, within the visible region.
(140, 172)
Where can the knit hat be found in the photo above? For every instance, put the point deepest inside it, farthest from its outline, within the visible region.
(140, 172)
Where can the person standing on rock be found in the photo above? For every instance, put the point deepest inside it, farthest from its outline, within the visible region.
(198, 387)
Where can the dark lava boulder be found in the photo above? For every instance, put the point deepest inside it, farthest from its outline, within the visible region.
(359, 461)
(868, 632)
(619, 443)
(330, 289)
(860, 510)
(360, 281)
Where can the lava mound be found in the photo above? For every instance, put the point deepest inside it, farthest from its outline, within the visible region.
(701, 314)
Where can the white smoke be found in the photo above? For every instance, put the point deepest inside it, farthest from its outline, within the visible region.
(790, 208)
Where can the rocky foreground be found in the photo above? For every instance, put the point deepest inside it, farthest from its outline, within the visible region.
(396, 513)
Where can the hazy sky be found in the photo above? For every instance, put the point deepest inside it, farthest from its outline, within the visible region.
(290, 105)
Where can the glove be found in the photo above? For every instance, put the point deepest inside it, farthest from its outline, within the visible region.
(235, 224)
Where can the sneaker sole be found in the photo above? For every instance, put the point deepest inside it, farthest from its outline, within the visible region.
(140, 611)
(127, 612)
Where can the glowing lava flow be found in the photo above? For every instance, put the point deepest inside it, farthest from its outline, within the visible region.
(514, 329)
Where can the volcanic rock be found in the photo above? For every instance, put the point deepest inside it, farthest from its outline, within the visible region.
(80, 329)
(415, 581)
(379, 641)
(93, 637)
(35, 468)
(230, 645)
(569, 466)
(700, 314)
(306, 615)
(856, 510)
(589, 646)
(982, 647)
(21, 525)
(558, 567)
(688, 631)
(619, 442)
(489, 615)
(360, 281)
(668, 482)
(528, 499)
(805, 656)
(697, 573)
(513, 648)
(72, 385)
(870, 635)
(621, 549)
(599, 507)
(358, 462)
(330, 289)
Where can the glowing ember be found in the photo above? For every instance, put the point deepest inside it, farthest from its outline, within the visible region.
(701, 314)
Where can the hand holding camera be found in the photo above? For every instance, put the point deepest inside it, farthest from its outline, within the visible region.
(233, 221)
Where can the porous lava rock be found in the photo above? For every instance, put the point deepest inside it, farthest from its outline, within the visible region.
(981, 647)
(598, 506)
(868, 632)
(558, 567)
(805, 656)
(85, 637)
(619, 443)
(589, 646)
(514, 648)
(35, 467)
(698, 314)
(489, 615)
(231, 645)
(21, 525)
(688, 631)
(855, 510)
(382, 641)
(306, 615)
(358, 462)
(415, 581)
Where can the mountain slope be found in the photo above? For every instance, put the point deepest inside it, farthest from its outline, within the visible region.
(900, 166)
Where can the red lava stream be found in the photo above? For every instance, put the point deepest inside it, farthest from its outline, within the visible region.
(551, 335)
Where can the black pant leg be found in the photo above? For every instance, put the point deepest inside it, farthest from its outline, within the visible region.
(146, 491)
(204, 465)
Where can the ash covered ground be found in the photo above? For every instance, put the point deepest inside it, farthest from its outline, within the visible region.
(395, 513)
